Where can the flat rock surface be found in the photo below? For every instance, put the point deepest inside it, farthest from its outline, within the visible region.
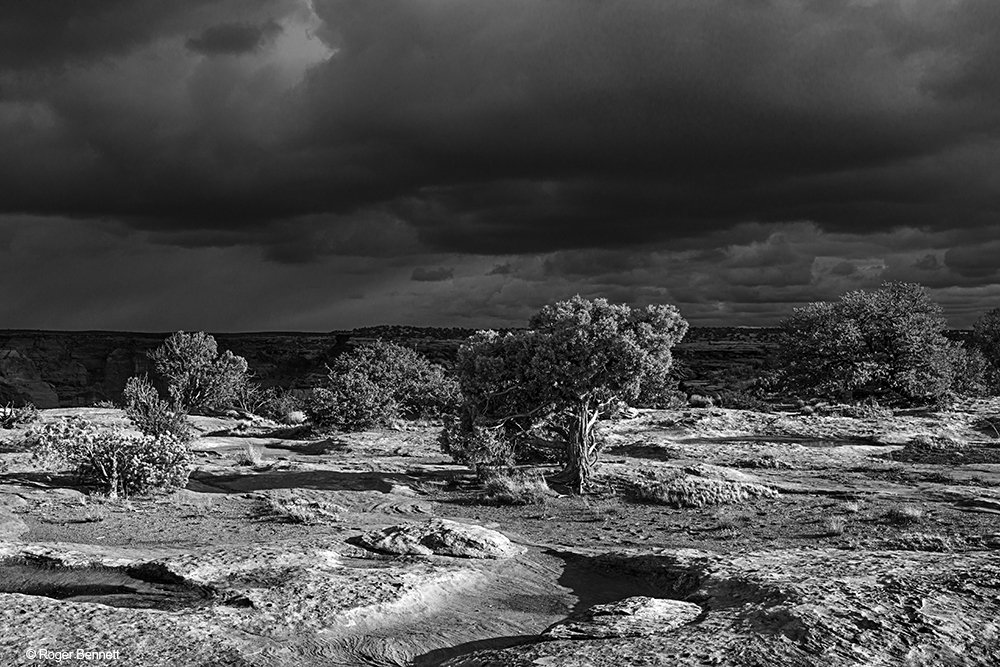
(638, 616)
(862, 559)
(801, 607)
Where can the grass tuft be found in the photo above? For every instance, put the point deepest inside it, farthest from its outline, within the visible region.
(252, 456)
(515, 488)
(691, 491)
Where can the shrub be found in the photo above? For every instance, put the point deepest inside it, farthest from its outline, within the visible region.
(925, 542)
(120, 463)
(11, 416)
(474, 444)
(271, 402)
(556, 380)
(199, 378)
(904, 515)
(151, 414)
(515, 488)
(691, 491)
(282, 405)
(887, 344)
(288, 508)
(986, 336)
(351, 402)
(377, 383)
(251, 398)
(975, 374)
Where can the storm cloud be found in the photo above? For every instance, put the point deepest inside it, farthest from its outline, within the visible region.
(736, 158)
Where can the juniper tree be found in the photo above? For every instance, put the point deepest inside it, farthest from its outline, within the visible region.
(577, 360)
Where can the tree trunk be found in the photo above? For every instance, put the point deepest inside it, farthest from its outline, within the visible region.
(580, 450)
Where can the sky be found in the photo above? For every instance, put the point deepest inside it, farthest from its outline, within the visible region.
(253, 165)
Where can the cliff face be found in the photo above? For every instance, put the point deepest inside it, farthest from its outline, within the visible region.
(71, 369)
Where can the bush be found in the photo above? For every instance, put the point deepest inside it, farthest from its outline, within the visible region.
(886, 344)
(378, 382)
(986, 336)
(472, 444)
(975, 373)
(251, 398)
(283, 406)
(199, 378)
(120, 463)
(11, 417)
(270, 402)
(904, 515)
(351, 403)
(151, 414)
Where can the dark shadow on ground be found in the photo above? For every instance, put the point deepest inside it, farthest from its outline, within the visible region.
(321, 480)
(806, 440)
(315, 448)
(642, 450)
(612, 577)
(441, 655)
(44, 480)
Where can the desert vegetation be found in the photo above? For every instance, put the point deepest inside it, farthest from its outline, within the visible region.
(198, 377)
(378, 383)
(120, 463)
(573, 449)
(17, 415)
(577, 362)
(885, 345)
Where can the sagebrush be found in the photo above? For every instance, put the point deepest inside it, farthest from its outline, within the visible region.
(119, 462)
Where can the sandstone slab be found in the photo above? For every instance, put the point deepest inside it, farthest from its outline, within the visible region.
(638, 616)
(442, 538)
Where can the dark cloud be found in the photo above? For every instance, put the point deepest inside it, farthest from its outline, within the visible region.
(764, 151)
(233, 38)
(928, 262)
(53, 33)
(426, 275)
(979, 261)
(844, 269)
(514, 126)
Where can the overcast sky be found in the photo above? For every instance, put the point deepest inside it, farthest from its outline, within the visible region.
(237, 165)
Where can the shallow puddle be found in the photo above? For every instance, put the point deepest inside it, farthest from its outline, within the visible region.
(116, 587)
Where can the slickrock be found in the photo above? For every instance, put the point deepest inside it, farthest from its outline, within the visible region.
(803, 608)
(638, 616)
(443, 538)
